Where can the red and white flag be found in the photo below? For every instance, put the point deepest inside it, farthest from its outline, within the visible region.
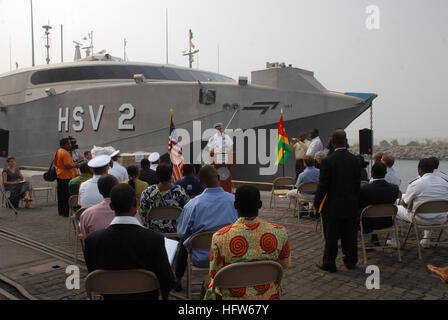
(192, 45)
(175, 152)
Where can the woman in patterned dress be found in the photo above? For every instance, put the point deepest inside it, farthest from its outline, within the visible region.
(164, 194)
(248, 239)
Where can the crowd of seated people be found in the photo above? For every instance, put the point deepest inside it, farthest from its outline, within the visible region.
(119, 235)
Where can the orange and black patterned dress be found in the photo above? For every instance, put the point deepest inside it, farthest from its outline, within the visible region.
(248, 239)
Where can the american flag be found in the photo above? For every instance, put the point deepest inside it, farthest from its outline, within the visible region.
(175, 152)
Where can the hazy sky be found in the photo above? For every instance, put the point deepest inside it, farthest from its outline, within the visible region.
(404, 62)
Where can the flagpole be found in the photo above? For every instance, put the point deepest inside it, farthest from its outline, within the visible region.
(283, 146)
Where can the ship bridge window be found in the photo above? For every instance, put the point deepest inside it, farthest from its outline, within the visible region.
(113, 72)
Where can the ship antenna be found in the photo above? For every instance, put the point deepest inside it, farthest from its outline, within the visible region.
(47, 46)
(191, 53)
(166, 35)
(32, 34)
(125, 56)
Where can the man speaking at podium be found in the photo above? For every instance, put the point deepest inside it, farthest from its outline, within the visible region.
(221, 154)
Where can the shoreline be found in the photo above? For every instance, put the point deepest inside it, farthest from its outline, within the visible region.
(412, 152)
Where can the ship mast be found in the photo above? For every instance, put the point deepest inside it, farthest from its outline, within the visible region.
(191, 53)
(32, 34)
(47, 46)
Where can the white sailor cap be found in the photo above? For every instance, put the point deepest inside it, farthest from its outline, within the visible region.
(219, 124)
(115, 153)
(154, 157)
(99, 162)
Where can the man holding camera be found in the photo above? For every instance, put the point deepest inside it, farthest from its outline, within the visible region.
(65, 171)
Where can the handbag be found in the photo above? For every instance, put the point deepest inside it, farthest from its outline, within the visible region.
(50, 175)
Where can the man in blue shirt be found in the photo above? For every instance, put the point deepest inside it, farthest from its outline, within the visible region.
(309, 175)
(189, 182)
(211, 211)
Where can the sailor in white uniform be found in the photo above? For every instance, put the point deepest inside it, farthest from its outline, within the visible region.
(437, 172)
(117, 170)
(154, 158)
(220, 145)
(89, 195)
(428, 187)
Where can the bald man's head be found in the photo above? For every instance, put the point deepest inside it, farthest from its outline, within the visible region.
(339, 139)
(209, 177)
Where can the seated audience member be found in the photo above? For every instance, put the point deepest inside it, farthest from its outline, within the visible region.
(391, 175)
(127, 245)
(101, 215)
(309, 175)
(88, 155)
(14, 181)
(321, 155)
(147, 174)
(437, 172)
(364, 164)
(116, 169)
(428, 187)
(89, 195)
(377, 157)
(165, 194)
(189, 182)
(75, 183)
(442, 273)
(134, 181)
(210, 211)
(379, 191)
(154, 159)
(197, 168)
(249, 239)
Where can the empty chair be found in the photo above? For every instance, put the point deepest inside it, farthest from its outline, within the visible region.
(280, 188)
(120, 282)
(427, 207)
(379, 211)
(38, 184)
(73, 205)
(79, 238)
(247, 274)
(200, 241)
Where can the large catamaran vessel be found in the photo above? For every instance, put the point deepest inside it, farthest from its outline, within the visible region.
(102, 101)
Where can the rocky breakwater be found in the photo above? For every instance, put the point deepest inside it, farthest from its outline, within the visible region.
(413, 152)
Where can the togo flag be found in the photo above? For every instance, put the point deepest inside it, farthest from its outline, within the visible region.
(283, 144)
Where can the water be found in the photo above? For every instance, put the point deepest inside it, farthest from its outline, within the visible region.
(407, 171)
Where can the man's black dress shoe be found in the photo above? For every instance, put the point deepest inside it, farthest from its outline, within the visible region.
(350, 266)
(327, 268)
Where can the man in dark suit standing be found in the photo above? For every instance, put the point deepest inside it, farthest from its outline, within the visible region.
(377, 192)
(127, 245)
(338, 192)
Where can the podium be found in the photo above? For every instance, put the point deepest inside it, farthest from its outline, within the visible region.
(223, 164)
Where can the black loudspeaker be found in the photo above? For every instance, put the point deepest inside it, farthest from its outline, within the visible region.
(365, 141)
(4, 143)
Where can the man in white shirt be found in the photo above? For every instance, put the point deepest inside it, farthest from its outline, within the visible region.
(428, 187)
(89, 194)
(117, 170)
(300, 148)
(391, 176)
(437, 172)
(315, 145)
(220, 145)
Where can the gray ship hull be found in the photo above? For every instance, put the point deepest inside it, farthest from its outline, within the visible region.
(134, 116)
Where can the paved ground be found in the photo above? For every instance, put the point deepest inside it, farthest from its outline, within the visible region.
(45, 276)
